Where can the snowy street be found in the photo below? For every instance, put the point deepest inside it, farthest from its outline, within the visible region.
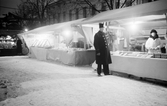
(29, 82)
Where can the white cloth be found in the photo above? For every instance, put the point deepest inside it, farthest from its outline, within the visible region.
(152, 45)
(75, 37)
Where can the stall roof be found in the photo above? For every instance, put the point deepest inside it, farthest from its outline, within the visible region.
(145, 22)
(52, 28)
(153, 8)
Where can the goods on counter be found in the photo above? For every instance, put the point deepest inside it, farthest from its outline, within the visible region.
(132, 54)
(7, 45)
(7, 42)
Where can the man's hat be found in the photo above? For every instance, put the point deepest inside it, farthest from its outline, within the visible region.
(101, 25)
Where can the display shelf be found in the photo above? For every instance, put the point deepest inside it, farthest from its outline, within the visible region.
(139, 54)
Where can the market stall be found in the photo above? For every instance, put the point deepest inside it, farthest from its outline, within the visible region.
(8, 43)
(139, 64)
(7, 47)
(61, 42)
(131, 27)
(11, 43)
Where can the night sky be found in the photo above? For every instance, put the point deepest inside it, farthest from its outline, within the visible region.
(8, 5)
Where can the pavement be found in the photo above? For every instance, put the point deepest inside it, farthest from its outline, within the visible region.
(29, 82)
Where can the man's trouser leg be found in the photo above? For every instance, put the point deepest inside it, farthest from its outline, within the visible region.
(99, 69)
(106, 69)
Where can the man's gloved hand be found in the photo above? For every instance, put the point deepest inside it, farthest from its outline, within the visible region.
(98, 54)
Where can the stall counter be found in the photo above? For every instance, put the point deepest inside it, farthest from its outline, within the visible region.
(69, 57)
(155, 68)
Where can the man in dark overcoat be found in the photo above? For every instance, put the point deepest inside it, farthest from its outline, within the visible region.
(103, 57)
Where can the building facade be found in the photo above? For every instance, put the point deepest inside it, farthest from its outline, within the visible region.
(68, 10)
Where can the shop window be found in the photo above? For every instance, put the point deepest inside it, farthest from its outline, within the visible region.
(103, 6)
(145, 1)
(58, 19)
(84, 12)
(77, 13)
(70, 15)
(138, 1)
(54, 18)
(93, 10)
(149, 0)
(117, 4)
(64, 16)
(128, 3)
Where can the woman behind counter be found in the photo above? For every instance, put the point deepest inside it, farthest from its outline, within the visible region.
(153, 44)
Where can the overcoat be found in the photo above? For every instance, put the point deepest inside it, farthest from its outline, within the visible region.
(101, 46)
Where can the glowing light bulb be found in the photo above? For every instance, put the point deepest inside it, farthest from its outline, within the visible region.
(25, 29)
(66, 32)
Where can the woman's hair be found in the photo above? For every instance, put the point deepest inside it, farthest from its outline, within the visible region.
(153, 30)
(156, 35)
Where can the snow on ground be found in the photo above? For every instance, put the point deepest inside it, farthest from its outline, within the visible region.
(29, 82)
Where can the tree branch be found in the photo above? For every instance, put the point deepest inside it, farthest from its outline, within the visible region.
(108, 4)
(111, 4)
(124, 3)
(90, 4)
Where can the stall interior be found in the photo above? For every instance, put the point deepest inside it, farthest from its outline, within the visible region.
(59, 36)
(62, 42)
(66, 39)
(8, 44)
(128, 36)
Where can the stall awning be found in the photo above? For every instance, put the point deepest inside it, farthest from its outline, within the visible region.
(153, 8)
(52, 28)
(46, 36)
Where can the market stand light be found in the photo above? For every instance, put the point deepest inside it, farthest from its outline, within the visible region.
(26, 29)
(133, 27)
(67, 32)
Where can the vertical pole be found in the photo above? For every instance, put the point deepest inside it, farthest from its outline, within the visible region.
(85, 41)
(107, 23)
(166, 32)
(166, 25)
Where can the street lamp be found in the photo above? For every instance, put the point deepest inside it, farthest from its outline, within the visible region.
(26, 29)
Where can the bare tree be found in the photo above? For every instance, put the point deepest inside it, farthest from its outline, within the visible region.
(39, 11)
(34, 11)
(109, 3)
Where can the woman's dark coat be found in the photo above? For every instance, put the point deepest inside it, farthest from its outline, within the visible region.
(101, 46)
